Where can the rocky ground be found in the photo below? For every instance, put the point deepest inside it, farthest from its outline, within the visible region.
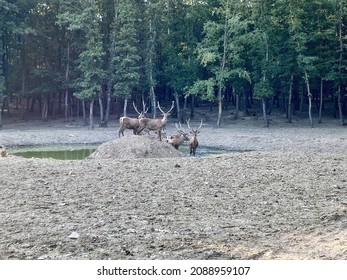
(281, 193)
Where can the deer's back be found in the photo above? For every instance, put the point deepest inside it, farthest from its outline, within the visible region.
(128, 122)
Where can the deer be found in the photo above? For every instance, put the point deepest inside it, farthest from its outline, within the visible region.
(155, 124)
(131, 123)
(193, 140)
(177, 139)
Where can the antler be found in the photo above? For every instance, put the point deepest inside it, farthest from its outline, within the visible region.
(145, 110)
(188, 121)
(172, 106)
(143, 113)
(194, 130)
(199, 126)
(137, 111)
(179, 128)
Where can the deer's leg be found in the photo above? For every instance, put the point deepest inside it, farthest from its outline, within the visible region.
(139, 130)
(121, 130)
(159, 134)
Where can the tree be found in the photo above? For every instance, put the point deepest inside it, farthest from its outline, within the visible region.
(126, 52)
(324, 46)
(2, 80)
(152, 11)
(340, 72)
(262, 62)
(181, 67)
(90, 62)
(300, 40)
(3, 13)
(219, 52)
(165, 49)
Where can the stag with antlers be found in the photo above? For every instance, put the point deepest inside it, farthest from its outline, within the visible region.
(131, 123)
(193, 140)
(155, 124)
(177, 139)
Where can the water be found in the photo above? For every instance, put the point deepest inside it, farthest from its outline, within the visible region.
(62, 152)
(79, 152)
(203, 151)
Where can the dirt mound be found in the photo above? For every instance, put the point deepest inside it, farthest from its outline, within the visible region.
(135, 147)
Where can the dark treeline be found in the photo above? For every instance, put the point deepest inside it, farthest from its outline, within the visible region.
(90, 57)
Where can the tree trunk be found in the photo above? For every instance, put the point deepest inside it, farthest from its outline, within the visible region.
(77, 111)
(150, 52)
(125, 107)
(310, 110)
(301, 106)
(5, 104)
(184, 110)
(108, 103)
(340, 95)
(154, 106)
(67, 75)
(44, 111)
(23, 61)
(84, 112)
(91, 114)
(290, 97)
(309, 98)
(220, 108)
(192, 106)
(1, 111)
(66, 105)
(222, 67)
(102, 117)
(237, 104)
(340, 104)
(179, 115)
(266, 121)
(321, 101)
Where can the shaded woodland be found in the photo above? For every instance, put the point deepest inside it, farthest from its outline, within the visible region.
(87, 58)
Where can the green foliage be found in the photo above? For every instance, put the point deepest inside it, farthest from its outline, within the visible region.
(83, 18)
(204, 88)
(180, 28)
(221, 51)
(186, 47)
(126, 58)
(90, 64)
(263, 89)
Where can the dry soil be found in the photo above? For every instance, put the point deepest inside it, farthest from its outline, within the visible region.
(281, 193)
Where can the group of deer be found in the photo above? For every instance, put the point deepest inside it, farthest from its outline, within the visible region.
(177, 139)
(141, 123)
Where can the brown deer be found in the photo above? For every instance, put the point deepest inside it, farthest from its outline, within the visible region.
(177, 139)
(131, 123)
(193, 140)
(155, 124)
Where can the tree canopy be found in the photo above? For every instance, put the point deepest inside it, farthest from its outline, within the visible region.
(58, 57)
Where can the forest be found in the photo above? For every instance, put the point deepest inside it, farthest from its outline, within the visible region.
(87, 58)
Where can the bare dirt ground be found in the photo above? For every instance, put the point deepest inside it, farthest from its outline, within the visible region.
(281, 194)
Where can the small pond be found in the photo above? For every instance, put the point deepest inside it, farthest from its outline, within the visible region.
(62, 152)
(79, 152)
